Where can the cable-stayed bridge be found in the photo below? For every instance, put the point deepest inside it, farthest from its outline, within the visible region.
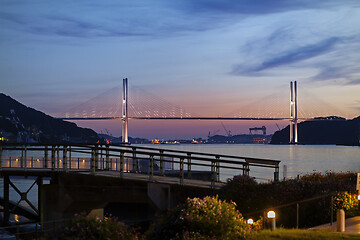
(117, 103)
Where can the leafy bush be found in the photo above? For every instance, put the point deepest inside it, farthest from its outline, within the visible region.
(83, 227)
(207, 218)
(251, 196)
(348, 202)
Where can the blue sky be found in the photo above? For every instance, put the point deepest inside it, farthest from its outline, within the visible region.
(210, 57)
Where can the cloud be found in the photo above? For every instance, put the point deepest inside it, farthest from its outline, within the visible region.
(149, 18)
(260, 7)
(299, 54)
(290, 56)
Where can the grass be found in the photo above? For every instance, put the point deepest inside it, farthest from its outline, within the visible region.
(295, 234)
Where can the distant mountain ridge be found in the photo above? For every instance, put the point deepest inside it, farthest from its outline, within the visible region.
(19, 123)
(323, 130)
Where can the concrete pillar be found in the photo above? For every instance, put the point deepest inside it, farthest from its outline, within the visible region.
(340, 220)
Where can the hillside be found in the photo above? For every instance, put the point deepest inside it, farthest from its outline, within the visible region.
(19, 123)
(329, 130)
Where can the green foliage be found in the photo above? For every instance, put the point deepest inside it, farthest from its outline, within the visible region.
(348, 202)
(251, 196)
(83, 227)
(207, 218)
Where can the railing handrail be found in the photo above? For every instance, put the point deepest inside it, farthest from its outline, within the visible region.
(123, 152)
(292, 203)
(246, 159)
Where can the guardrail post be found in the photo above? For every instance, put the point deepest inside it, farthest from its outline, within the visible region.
(31, 162)
(58, 157)
(276, 174)
(1, 157)
(151, 175)
(96, 157)
(64, 158)
(297, 215)
(69, 159)
(161, 162)
(22, 157)
(135, 163)
(101, 157)
(92, 161)
(122, 164)
(46, 156)
(217, 168)
(107, 157)
(246, 169)
(53, 158)
(332, 210)
(25, 165)
(189, 165)
(213, 176)
(181, 171)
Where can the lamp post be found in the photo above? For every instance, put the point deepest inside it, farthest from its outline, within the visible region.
(250, 221)
(271, 216)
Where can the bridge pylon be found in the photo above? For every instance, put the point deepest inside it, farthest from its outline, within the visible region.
(293, 113)
(125, 111)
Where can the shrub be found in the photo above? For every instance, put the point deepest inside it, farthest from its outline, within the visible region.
(251, 196)
(207, 218)
(348, 202)
(83, 227)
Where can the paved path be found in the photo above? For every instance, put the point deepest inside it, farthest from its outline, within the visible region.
(352, 225)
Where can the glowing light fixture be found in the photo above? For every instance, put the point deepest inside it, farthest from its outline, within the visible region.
(250, 221)
(271, 214)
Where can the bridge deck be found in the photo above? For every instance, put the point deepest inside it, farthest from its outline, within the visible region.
(114, 174)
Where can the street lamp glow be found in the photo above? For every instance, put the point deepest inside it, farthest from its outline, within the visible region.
(359, 197)
(250, 221)
(271, 214)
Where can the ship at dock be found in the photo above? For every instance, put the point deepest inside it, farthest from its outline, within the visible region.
(257, 135)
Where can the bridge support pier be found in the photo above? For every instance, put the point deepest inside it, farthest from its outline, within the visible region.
(125, 111)
(293, 113)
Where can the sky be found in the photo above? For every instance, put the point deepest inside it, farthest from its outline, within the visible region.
(211, 58)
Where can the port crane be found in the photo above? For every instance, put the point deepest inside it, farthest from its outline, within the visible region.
(227, 132)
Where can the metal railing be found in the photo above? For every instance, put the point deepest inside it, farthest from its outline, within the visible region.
(125, 158)
(330, 206)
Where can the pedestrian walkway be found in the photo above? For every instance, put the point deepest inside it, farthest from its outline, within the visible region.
(352, 225)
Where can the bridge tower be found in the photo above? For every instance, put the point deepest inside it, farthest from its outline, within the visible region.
(125, 111)
(293, 113)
